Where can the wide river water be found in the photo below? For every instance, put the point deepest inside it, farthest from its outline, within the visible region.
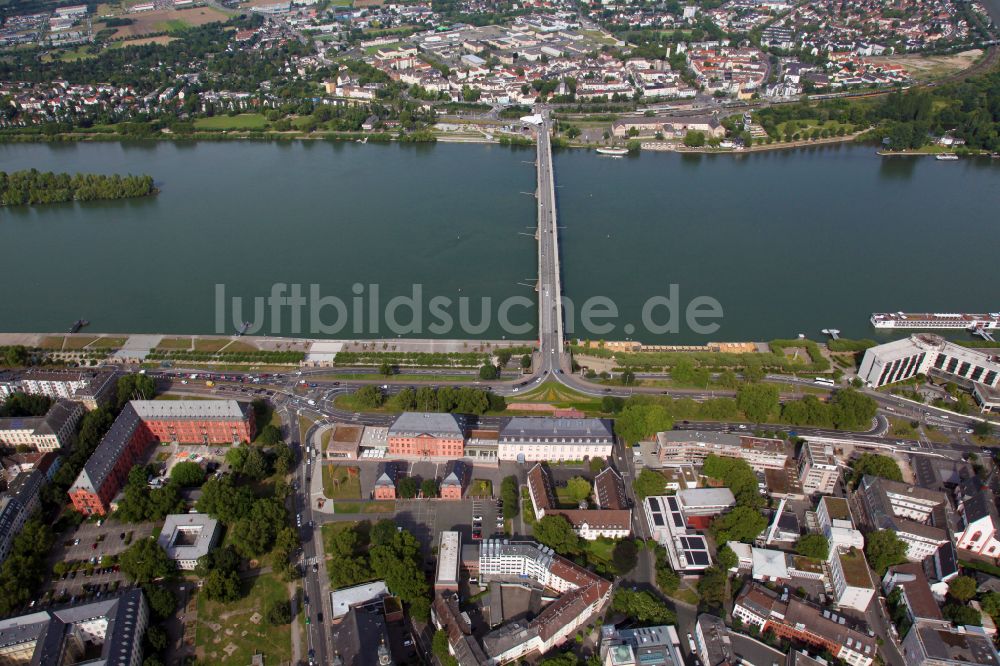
(785, 242)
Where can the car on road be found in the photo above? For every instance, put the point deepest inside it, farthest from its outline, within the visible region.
(477, 535)
(315, 567)
(477, 519)
(319, 617)
(742, 427)
(407, 643)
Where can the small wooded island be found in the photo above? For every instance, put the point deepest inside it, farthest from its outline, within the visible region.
(33, 187)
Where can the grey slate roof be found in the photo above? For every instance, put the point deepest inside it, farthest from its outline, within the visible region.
(104, 457)
(152, 410)
(411, 424)
(49, 629)
(520, 428)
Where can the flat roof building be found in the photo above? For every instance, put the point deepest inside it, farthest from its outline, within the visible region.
(188, 536)
(685, 447)
(448, 561)
(346, 598)
(819, 469)
(686, 549)
(928, 354)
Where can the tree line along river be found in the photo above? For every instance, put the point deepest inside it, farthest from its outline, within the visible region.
(785, 242)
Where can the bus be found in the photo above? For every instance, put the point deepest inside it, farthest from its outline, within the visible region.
(823, 381)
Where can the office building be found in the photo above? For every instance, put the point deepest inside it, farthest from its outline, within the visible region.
(928, 354)
(833, 514)
(686, 549)
(646, 646)
(128, 439)
(186, 537)
(533, 439)
(448, 561)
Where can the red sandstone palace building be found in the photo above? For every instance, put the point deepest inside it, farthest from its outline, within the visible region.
(143, 422)
(427, 435)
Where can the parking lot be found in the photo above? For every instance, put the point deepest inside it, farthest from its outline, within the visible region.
(89, 543)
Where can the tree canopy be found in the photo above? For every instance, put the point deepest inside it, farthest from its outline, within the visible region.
(876, 464)
(813, 545)
(555, 532)
(642, 607)
(145, 561)
(884, 549)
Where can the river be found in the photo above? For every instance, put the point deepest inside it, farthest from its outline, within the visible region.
(785, 242)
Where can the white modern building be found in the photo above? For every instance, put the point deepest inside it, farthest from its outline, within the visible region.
(926, 353)
(851, 578)
(686, 549)
(836, 523)
(449, 557)
(534, 439)
(188, 536)
(819, 469)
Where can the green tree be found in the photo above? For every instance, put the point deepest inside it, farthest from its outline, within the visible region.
(876, 465)
(712, 588)
(694, 139)
(510, 495)
(488, 372)
(727, 558)
(187, 474)
(386, 368)
(408, 488)
(555, 532)
(962, 615)
(813, 545)
(439, 646)
(279, 613)
(990, 603)
(625, 556)
(370, 397)
(743, 523)
(962, 588)
(649, 482)
(429, 488)
(642, 607)
(526, 361)
(145, 561)
(757, 401)
(578, 489)
(162, 601)
(638, 421)
(884, 549)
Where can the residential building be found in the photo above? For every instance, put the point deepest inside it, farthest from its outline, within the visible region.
(836, 523)
(916, 515)
(928, 354)
(914, 591)
(819, 469)
(532, 439)
(590, 524)
(977, 519)
(427, 435)
(448, 561)
(385, 482)
(938, 643)
(581, 594)
(456, 478)
(92, 389)
(609, 490)
(798, 620)
(188, 536)
(105, 631)
(685, 447)
(47, 463)
(646, 646)
(16, 506)
(129, 437)
(686, 549)
(55, 430)
(446, 616)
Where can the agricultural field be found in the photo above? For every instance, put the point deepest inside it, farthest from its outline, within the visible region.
(928, 68)
(167, 20)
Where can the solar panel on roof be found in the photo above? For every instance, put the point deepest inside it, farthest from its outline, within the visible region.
(658, 519)
(678, 520)
(698, 557)
(655, 503)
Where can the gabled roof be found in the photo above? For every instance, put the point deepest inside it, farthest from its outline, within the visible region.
(533, 427)
(610, 490)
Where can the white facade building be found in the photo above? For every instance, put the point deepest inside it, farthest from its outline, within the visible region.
(926, 353)
(819, 469)
(533, 439)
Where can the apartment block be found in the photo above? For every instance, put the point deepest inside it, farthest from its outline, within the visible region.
(686, 447)
(590, 524)
(917, 515)
(55, 430)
